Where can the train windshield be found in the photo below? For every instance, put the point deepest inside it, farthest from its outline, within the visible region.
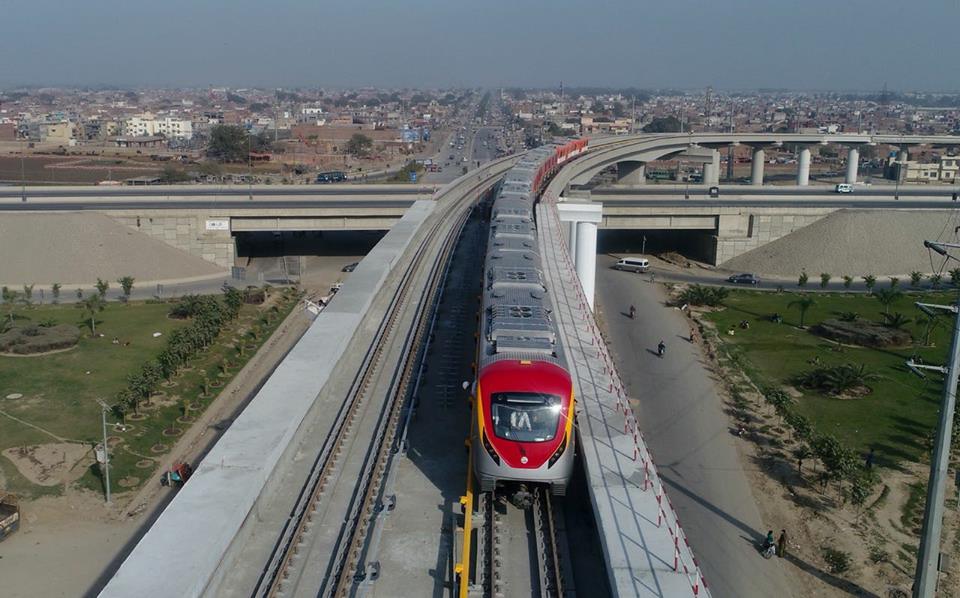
(525, 416)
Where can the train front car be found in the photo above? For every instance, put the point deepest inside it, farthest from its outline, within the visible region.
(522, 429)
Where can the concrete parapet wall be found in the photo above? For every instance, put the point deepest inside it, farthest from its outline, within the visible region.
(185, 230)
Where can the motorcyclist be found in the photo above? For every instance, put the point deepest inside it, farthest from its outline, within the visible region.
(661, 348)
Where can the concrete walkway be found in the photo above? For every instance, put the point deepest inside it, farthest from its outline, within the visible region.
(682, 418)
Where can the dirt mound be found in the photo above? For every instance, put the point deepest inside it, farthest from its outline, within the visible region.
(30, 340)
(855, 243)
(51, 464)
(863, 333)
(75, 248)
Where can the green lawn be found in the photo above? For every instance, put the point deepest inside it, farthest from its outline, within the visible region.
(896, 418)
(60, 390)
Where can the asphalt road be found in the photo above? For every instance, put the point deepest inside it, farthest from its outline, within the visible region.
(210, 190)
(780, 190)
(230, 204)
(682, 418)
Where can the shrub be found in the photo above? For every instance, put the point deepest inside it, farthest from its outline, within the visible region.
(837, 560)
(849, 316)
(28, 340)
(824, 280)
(703, 295)
(836, 379)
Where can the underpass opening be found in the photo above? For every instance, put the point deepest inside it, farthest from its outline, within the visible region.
(699, 245)
(315, 259)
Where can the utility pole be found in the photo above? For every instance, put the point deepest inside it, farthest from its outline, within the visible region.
(106, 449)
(928, 558)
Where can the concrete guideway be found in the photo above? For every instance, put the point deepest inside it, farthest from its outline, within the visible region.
(646, 550)
(226, 484)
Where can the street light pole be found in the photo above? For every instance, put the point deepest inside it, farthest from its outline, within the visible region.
(106, 450)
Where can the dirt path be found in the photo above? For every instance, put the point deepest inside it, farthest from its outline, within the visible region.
(84, 541)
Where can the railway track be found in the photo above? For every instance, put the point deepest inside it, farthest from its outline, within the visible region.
(322, 547)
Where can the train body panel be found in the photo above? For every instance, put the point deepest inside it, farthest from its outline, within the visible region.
(522, 428)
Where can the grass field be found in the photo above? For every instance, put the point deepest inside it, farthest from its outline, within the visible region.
(60, 390)
(896, 418)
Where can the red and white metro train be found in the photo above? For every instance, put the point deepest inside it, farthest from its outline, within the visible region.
(522, 427)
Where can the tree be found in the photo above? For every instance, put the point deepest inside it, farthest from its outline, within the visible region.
(55, 289)
(894, 282)
(10, 299)
(802, 281)
(668, 124)
(896, 320)
(102, 287)
(27, 294)
(955, 277)
(359, 145)
(870, 281)
(126, 283)
(847, 281)
(915, 278)
(801, 453)
(93, 305)
(824, 280)
(228, 143)
(886, 298)
(936, 280)
(803, 304)
(930, 323)
(171, 174)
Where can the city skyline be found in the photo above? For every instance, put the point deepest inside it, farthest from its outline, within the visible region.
(741, 45)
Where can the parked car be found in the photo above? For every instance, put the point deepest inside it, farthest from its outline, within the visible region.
(744, 279)
(350, 267)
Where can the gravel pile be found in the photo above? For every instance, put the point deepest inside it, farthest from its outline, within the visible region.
(854, 242)
(79, 248)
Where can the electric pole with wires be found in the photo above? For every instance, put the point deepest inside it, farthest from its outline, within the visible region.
(928, 558)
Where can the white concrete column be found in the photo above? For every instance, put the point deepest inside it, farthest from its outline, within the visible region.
(586, 261)
(572, 238)
(756, 168)
(803, 167)
(853, 163)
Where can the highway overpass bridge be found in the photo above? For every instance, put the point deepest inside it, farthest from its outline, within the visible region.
(741, 217)
(203, 220)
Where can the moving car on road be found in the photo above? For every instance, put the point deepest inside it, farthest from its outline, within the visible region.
(744, 279)
(632, 264)
(844, 188)
(350, 267)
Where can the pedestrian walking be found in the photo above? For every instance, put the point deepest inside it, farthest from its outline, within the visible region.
(782, 544)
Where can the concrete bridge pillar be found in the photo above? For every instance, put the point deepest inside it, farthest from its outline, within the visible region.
(582, 219)
(631, 173)
(803, 167)
(586, 258)
(731, 151)
(756, 168)
(853, 163)
(711, 169)
(903, 154)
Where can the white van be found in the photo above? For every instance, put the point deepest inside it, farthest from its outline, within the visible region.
(632, 264)
(844, 188)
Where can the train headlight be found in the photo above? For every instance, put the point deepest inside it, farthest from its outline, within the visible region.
(489, 448)
(558, 453)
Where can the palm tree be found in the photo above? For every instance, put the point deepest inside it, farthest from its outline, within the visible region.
(847, 376)
(56, 292)
(930, 323)
(935, 280)
(915, 278)
(896, 320)
(804, 303)
(847, 281)
(824, 279)
(870, 281)
(93, 305)
(887, 297)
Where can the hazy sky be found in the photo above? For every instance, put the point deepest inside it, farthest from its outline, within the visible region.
(730, 44)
